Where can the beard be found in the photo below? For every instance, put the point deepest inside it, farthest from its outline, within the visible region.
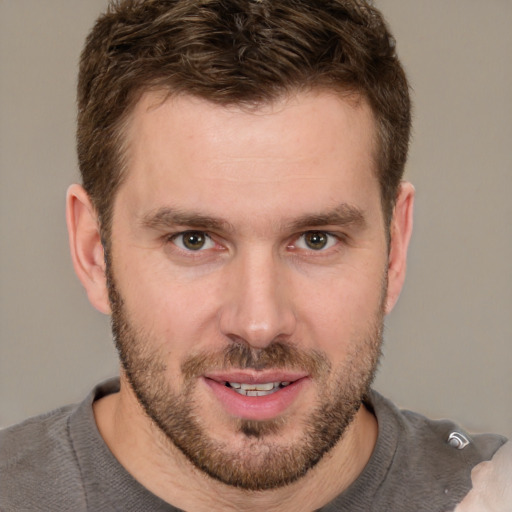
(265, 461)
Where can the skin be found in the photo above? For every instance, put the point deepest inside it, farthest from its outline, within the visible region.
(491, 484)
(267, 176)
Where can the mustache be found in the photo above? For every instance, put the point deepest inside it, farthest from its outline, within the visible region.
(277, 355)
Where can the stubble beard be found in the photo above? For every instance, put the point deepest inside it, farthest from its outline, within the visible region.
(265, 462)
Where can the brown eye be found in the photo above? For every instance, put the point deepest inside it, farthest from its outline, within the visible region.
(193, 241)
(316, 240)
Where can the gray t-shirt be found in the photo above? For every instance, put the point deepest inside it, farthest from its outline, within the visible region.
(59, 462)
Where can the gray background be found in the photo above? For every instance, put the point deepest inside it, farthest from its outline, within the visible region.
(448, 349)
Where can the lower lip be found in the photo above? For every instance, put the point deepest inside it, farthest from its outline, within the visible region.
(256, 407)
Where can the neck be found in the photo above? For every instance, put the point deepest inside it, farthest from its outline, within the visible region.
(160, 467)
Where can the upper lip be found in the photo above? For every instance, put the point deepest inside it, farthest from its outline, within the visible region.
(255, 376)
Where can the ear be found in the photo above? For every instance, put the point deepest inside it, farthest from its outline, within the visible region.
(86, 248)
(400, 234)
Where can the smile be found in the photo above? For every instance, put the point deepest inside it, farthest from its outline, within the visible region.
(252, 395)
(262, 389)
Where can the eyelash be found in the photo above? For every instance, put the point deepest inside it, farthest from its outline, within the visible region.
(334, 240)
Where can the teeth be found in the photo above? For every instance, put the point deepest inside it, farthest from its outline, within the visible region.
(267, 386)
(262, 389)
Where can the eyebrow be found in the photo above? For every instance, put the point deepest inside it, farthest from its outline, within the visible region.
(166, 217)
(343, 215)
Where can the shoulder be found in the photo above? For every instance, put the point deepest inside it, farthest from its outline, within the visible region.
(40, 432)
(416, 430)
(37, 462)
(432, 459)
(446, 441)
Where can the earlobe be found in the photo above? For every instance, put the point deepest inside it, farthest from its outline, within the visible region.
(86, 247)
(400, 234)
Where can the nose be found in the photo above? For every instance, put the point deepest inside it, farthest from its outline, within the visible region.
(257, 308)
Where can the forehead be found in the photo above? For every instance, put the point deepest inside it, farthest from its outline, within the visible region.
(308, 110)
(315, 144)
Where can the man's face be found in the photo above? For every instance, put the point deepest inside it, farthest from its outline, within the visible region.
(248, 278)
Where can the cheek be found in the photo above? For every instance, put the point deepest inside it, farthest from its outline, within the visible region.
(170, 309)
(339, 311)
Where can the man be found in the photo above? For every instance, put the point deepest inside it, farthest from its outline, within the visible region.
(243, 220)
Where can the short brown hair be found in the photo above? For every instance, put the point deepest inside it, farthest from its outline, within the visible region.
(235, 52)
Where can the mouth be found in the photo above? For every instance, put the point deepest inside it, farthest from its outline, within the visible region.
(257, 395)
